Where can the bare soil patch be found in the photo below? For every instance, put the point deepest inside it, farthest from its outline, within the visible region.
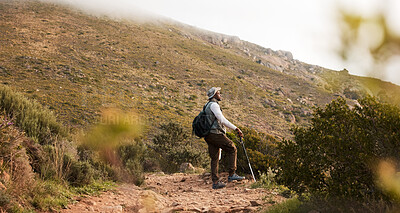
(179, 193)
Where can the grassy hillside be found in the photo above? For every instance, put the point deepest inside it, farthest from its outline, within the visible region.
(77, 64)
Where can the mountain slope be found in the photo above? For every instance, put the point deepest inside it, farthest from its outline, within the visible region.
(77, 64)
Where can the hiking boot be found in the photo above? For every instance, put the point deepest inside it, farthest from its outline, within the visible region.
(235, 177)
(218, 185)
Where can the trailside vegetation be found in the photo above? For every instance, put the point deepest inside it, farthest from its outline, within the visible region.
(172, 146)
(337, 156)
(41, 166)
(39, 123)
(261, 149)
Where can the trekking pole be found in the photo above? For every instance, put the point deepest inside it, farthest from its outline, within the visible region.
(244, 148)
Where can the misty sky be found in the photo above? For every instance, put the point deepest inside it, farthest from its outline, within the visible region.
(307, 28)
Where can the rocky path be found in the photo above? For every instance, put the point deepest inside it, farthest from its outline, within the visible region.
(179, 193)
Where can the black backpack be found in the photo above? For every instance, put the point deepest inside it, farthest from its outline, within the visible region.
(201, 127)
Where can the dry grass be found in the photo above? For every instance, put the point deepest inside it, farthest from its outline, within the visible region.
(16, 174)
(78, 64)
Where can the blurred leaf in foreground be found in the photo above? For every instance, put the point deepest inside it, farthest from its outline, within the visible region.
(114, 129)
(389, 179)
(371, 42)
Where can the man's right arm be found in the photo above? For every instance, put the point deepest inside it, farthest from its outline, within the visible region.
(218, 114)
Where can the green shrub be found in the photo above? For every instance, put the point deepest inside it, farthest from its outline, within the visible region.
(38, 123)
(321, 203)
(95, 188)
(21, 156)
(188, 153)
(54, 162)
(151, 161)
(289, 206)
(113, 147)
(103, 170)
(265, 180)
(337, 154)
(85, 153)
(132, 156)
(49, 195)
(173, 147)
(80, 173)
(260, 147)
(119, 169)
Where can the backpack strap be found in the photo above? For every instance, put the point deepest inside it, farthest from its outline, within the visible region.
(204, 108)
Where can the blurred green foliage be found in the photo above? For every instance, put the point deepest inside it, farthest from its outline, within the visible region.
(113, 146)
(113, 128)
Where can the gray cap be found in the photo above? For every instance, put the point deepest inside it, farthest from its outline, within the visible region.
(211, 92)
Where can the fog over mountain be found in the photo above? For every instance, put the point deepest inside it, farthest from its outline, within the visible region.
(119, 9)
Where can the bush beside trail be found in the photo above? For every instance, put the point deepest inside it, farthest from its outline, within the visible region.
(173, 146)
(337, 155)
(261, 149)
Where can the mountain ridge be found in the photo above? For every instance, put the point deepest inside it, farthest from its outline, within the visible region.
(77, 64)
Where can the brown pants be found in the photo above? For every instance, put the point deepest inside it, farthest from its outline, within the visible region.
(216, 141)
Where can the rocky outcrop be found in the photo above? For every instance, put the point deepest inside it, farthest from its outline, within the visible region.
(279, 60)
(285, 55)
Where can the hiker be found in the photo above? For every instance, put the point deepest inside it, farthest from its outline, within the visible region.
(217, 139)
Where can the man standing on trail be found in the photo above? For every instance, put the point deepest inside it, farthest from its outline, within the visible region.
(217, 139)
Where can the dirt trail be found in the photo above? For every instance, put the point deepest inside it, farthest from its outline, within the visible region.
(179, 193)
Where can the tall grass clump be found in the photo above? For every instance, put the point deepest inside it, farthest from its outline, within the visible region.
(38, 122)
(16, 174)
